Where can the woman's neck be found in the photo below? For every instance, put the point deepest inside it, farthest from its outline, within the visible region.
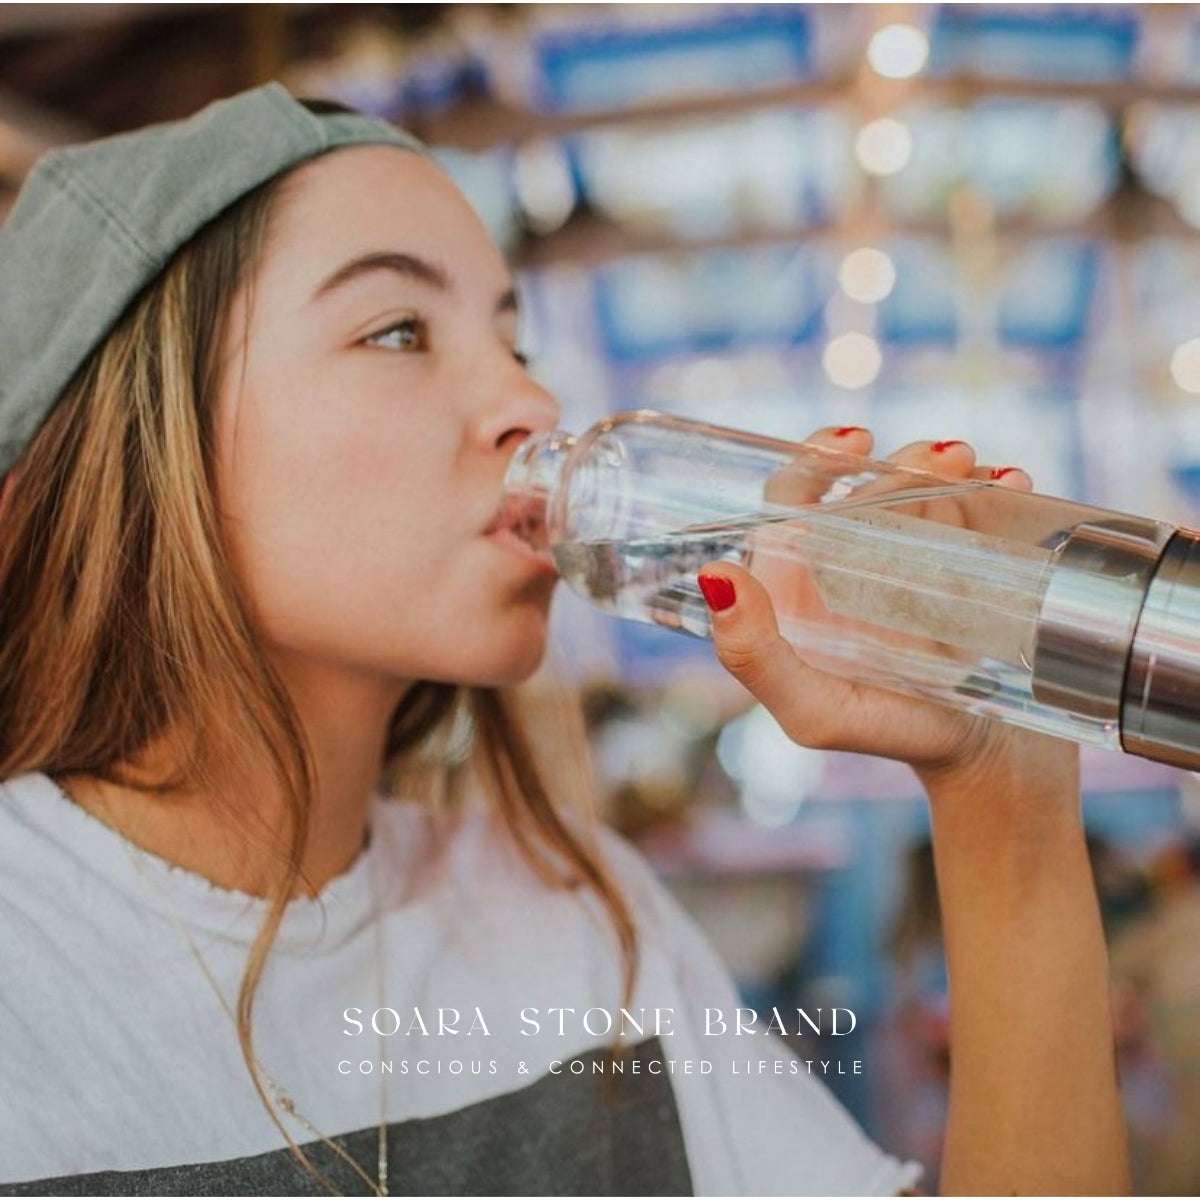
(234, 833)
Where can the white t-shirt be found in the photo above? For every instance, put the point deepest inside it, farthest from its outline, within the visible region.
(122, 1073)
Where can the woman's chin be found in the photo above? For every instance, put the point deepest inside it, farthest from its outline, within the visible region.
(518, 671)
(507, 666)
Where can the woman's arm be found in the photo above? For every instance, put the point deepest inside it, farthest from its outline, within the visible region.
(1034, 1105)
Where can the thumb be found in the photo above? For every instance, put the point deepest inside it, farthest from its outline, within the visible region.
(750, 647)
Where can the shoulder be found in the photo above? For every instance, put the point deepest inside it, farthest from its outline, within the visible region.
(658, 914)
(470, 874)
(748, 1132)
(62, 897)
(18, 792)
(33, 857)
(482, 845)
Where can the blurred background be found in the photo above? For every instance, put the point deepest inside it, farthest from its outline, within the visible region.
(937, 221)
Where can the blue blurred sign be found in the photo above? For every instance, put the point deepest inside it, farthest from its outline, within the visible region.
(615, 66)
(1081, 42)
(656, 307)
(1047, 296)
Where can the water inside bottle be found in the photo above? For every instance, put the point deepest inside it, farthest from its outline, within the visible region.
(918, 590)
(864, 558)
(650, 579)
(884, 596)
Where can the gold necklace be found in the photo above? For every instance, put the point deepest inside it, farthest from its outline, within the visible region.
(281, 1099)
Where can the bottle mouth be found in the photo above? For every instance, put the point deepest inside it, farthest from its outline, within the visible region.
(530, 484)
(525, 516)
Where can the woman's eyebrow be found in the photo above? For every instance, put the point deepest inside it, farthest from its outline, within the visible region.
(410, 266)
(407, 265)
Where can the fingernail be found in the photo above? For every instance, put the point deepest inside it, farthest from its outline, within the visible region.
(1000, 472)
(719, 592)
(846, 430)
(938, 447)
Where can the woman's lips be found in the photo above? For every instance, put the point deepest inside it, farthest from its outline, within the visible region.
(524, 516)
(510, 541)
(519, 526)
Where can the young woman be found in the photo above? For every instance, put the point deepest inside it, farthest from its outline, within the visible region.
(259, 383)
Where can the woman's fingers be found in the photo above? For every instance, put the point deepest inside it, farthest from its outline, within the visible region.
(957, 460)
(852, 439)
(814, 707)
(953, 458)
(949, 457)
(750, 647)
(1009, 477)
(802, 481)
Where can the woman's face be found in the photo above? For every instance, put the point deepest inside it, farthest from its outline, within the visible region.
(371, 399)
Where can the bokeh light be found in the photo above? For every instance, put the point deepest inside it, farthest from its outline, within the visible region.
(1185, 366)
(775, 775)
(898, 51)
(543, 185)
(884, 146)
(867, 275)
(852, 360)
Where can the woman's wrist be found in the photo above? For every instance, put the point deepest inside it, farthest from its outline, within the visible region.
(1005, 782)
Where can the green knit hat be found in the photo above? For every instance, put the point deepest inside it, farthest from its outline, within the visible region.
(94, 224)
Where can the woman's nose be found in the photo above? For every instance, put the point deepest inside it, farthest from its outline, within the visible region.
(524, 409)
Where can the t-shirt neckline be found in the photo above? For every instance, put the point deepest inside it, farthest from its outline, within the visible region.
(342, 907)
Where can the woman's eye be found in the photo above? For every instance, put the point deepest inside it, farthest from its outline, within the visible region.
(411, 333)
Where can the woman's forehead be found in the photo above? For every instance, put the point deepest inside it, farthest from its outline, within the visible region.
(377, 200)
(379, 187)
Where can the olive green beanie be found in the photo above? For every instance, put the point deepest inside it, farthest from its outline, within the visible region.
(95, 223)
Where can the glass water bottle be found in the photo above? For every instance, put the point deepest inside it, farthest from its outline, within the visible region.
(1057, 616)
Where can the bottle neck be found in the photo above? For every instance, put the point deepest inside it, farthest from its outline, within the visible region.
(530, 484)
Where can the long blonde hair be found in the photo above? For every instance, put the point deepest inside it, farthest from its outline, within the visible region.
(123, 628)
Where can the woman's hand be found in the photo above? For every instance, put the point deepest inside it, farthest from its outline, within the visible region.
(1034, 1107)
(823, 711)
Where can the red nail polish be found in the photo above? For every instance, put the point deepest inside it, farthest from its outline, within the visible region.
(1000, 472)
(719, 592)
(846, 430)
(938, 447)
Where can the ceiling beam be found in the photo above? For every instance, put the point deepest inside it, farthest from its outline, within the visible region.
(34, 20)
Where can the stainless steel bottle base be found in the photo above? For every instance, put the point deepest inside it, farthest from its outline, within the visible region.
(1160, 711)
(1099, 578)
